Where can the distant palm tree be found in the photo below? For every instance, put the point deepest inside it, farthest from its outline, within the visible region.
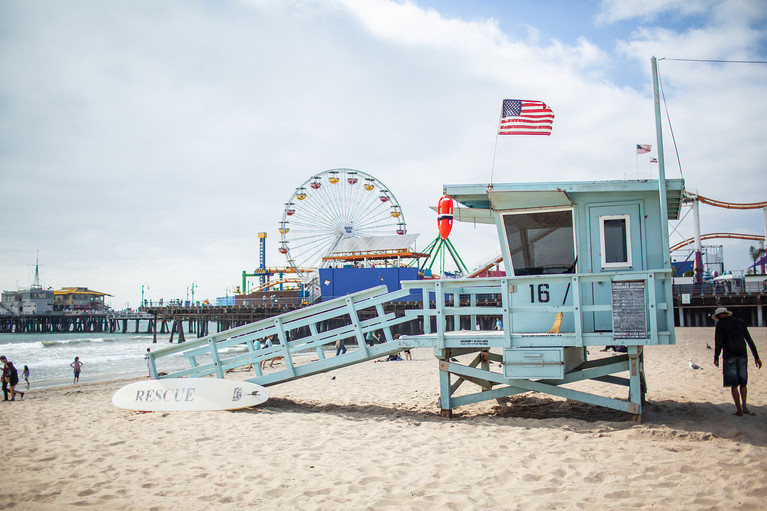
(756, 253)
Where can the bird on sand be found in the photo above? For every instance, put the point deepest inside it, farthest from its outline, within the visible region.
(693, 365)
(708, 346)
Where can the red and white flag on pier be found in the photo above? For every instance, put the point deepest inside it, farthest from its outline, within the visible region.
(525, 117)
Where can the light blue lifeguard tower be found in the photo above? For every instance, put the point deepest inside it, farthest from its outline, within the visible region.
(589, 267)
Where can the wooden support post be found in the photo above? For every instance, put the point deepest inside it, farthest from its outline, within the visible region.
(636, 392)
(484, 364)
(446, 408)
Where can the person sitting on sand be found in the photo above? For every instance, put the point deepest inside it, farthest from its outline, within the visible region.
(77, 366)
(12, 375)
(730, 338)
(391, 358)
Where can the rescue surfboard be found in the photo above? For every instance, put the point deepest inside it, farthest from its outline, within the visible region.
(189, 394)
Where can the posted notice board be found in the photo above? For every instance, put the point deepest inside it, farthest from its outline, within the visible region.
(629, 310)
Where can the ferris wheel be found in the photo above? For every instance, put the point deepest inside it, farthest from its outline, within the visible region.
(333, 205)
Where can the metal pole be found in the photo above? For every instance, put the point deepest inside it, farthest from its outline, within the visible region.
(661, 169)
(698, 263)
(764, 243)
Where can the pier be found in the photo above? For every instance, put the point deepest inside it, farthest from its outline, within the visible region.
(694, 304)
(175, 322)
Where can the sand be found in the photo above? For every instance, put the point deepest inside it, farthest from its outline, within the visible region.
(370, 437)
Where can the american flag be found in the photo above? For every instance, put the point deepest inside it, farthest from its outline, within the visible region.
(524, 117)
(643, 148)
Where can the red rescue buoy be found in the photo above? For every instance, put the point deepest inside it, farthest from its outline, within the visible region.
(445, 216)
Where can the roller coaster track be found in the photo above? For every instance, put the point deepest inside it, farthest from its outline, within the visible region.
(272, 283)
(731, 235)
(689, 197)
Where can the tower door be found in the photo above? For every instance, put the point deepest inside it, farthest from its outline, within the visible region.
(616, 245)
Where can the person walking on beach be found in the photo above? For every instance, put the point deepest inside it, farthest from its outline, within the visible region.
(730, 338)
(340, 347)
(76, 365)
(25, 374)
(268, 344)
(12, 376)
(406, 353)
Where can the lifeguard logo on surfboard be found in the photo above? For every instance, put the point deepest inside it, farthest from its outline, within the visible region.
(189, 394)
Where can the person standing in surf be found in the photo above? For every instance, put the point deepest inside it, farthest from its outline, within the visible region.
(76, 365)
(25, 374)
(4, 378)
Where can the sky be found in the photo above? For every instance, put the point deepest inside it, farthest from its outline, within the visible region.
(145, 144)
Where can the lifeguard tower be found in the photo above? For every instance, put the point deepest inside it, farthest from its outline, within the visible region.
(589, 269)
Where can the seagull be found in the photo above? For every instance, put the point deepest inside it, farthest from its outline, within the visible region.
(693, 365)
(708, 346)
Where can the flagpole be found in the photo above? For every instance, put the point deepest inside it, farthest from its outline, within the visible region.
(495, 146)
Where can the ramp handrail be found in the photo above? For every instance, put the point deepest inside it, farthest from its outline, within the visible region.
(290, 329)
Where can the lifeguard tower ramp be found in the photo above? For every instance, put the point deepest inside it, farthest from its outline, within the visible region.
(305, 338)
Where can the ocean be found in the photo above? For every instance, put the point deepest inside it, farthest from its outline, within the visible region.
(105, 356)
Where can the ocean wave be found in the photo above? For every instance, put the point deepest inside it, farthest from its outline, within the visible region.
(66, 342)
(235, 349)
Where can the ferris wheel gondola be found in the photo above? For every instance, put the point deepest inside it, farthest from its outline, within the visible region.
(333, 205)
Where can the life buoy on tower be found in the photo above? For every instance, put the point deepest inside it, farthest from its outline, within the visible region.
(445, 216)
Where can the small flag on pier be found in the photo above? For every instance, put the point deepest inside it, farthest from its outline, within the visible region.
(524, 117)
(643, 148)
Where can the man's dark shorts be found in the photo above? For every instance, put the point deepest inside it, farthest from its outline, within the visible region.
(735, 372)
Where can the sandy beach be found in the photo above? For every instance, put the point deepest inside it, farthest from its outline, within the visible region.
(370, 437)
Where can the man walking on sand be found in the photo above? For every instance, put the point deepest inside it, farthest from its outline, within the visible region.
(730, 338)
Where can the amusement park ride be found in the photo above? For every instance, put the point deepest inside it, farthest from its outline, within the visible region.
(589, 266)
(694, 200)
(331, 206)
(441, 244)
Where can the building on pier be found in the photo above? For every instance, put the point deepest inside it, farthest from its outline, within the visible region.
(79, 298)
(34, 300)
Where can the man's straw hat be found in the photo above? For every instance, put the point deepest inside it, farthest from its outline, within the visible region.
(721, 311)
